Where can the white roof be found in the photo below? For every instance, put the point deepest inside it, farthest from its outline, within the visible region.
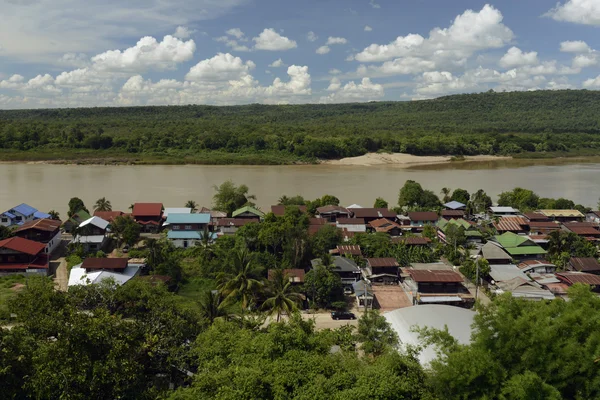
(96, 221)
(176, 210)
(457, 319)
(97, 239)
(355, 206)
(506, 272)
(78, 276)
(503, 210)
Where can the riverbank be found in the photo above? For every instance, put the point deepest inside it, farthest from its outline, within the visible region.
(407, 160)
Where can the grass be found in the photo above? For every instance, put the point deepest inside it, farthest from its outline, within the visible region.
(189, 294)
(7, 293)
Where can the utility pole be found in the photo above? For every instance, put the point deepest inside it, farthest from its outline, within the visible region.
(476, 278)
(365, 282)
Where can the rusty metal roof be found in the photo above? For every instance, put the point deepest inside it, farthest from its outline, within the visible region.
(108, 215)
(383, 262)
(583, 230)
(332, 210)
(423, 216)
(535, 216)
(350, 221)
(434, 276)
(21, 245)
(147, 209)
(453, 213)
(578, 277)
(47, 225)
(381, 222)
(373, 213)
(543, 225)
(585, 264)
(511, 224)
(104, 263)
(353, 250)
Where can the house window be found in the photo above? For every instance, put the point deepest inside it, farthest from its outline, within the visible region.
(188, 227)
(18, 218)
(185, 244)
(176, 227)
(4, 219)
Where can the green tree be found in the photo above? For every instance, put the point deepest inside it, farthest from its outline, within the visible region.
(375, 334)
(282, 296)
(102, 205)
(241, 284)
(5, 232)
(325, 239)
(76, 204)
(329, 200)
(54, 215)
(323, 286)
(460, 195)
(213, 306)
(522, 199)
(292, 201)
(380, 203)
(191, 204)
(445, 194)
(410, 194)
(564, 245)
(480, 202)
(126, 230)
(469, 269)
(229, 197)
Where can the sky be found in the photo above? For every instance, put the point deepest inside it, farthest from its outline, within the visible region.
(68, 53)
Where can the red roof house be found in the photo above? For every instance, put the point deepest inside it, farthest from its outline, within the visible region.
(148, 215)
(22, 255)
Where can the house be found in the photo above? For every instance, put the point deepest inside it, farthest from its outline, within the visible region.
(519, 247)
(46, 231)
(95, 270)
(563, 215)
(371, 214)
(494, 254)
(332, 213)
(108, 215)
(148, 216)
(455, 205)
(472, 233)
(387, 226)
(185, 230)
(351, 224)
(535, 216)
(543, 227)
(24, 256)
(229, 226)
(175, 210)
(502, 211)
(593, 216)
(316, 224)
(248, 212)
(294, 275)
(438, 286)
(363, 293)
(452, 214)
(412, 240)
(584, 264)
(418, 219)
(524, 288)
(537, 266)
(512, 224)
(92, 234)
(349, 250)
(384, 270)
(346, 268)
(506, 272)
(19, 215)
(571, 278)
(279, 210)
(75, 220)
(584, 229)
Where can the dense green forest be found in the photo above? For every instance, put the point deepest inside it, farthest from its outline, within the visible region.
(541, 123)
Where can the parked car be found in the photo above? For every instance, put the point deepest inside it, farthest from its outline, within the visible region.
(348, 291)
(125, 249)
(342, 315)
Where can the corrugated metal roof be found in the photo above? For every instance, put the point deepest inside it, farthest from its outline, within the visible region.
(22, 245)
(248, 209)
(188, 218)
(491, 251)
(192, 235)
(41, 215)
(176, 210)
(434, 276)
(350, 221)
(279, 210)
(332, 209)
(535, 216)
(104, 263)
(147, 209)
(108, 215)
(349, 249)
(584, 264)
(511, 224)
(578, 277)
(562, 213)
(383, 262)
(373, 213)
(95, 221)
(95, 239)
(503, 210)
(24, 209)
(502, 273)
(543, 225)
(583, 230)
(46, 225)
(423, 216)
(454, 205)
(453, 213)
(382, 222)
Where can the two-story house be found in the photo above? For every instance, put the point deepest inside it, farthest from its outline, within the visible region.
(19, 255)
(148, 216)
(46, 231)
(185, 230)
(20, 214)
(92, 234)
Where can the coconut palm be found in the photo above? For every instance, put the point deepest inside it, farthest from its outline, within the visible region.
(241, 284)
(446, 193)
(213, 306)
(283, 297)
(54, 215)
(102, 205)
(191, 204)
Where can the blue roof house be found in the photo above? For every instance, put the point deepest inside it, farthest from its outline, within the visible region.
(186, 230)
(18, 215)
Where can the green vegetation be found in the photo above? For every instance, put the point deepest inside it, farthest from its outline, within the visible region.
(9, 287)
(533, 124)
(526, 200)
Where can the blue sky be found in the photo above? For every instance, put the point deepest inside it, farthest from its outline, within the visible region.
(67, 53)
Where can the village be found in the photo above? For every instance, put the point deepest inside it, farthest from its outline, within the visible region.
(385, 260)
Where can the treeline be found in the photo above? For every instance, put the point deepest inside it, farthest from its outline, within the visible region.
(470, 124)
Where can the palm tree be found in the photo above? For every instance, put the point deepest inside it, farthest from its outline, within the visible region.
(446, 193)
(54, 215)
(241, 284)
(283, 296)
(191, 204)
(213, 306)
(102, 205)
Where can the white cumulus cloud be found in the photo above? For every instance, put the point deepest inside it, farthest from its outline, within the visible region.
(277, 63)
(368, 28)
(237, 33)
(336, 40)
(273, 41)
(373, 4)
(585, 12)
(183, 32)
(222, 67)
(351, 91)
(592, 83)
(574, 46)
(323, 50)
(311, 36)
(515, 57)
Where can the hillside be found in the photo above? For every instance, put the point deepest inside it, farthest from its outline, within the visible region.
(542, 122)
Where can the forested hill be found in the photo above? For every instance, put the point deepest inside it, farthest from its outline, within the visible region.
(485, 123)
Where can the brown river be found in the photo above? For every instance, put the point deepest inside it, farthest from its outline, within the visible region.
(49, 187)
